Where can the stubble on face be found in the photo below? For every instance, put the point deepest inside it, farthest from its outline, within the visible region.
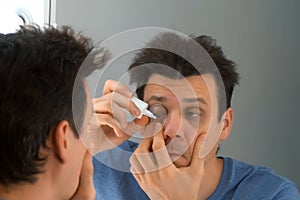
(174, 96)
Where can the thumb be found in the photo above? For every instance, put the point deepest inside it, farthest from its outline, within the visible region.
(86, 188)
(160, 151)
(158, 139)
(136, 125)
(196, 161)
(143, 121)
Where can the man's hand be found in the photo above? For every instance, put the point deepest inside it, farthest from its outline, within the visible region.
(159, 177)
(86, 188)
(110, 115)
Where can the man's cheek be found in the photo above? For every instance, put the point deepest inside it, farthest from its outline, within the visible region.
(191, 135)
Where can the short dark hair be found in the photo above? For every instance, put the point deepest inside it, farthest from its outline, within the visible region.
(149, 55)
(38, 68)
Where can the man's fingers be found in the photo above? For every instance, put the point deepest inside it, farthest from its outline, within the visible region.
(121, 95)
(86, 188)
(112, 106)
(144, 155)
(108, 120)
(144, 121)
(160, 151)
(105, 119)
(126, 103)
(136, 167)
(102, 104)
(152, 153)
(86, 176)
(136, 173)
(196, 160)
(149, 128)
(115, 86)
(109, 102)
(144, 146)
(158, 139)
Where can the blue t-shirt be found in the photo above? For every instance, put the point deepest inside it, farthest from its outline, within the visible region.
(244, 181)
(112, 177)
(240, 181)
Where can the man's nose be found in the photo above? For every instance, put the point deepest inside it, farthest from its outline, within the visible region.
(173, 125)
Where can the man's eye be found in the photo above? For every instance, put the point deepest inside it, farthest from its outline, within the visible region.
(159, 111)
(192, 114)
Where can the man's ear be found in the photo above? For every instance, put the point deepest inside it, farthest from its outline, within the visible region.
(61, 135)
(227, 120)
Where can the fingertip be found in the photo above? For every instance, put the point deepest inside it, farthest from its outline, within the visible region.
(144, 121)
(89, 160)
(158, 140)
(87, 168)
(119, 133)
(200, 141)
(158, 127)
(89, 156)
(134, 110)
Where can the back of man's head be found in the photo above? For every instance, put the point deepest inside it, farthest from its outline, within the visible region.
(38, 68)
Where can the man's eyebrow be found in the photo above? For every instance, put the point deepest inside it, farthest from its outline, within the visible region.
(157, 98)
(198, 99)
(187, 100)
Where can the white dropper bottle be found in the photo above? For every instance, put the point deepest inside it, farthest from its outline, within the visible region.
(143, 107)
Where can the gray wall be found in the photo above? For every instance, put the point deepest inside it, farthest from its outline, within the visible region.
(259, 35)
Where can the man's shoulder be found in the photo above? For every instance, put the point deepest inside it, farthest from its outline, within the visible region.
(250, 172)
(256, 181)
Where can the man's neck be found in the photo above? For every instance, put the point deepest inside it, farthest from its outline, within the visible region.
(212, 177)
(27, 191)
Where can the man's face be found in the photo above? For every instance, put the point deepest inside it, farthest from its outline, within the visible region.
(189, 111)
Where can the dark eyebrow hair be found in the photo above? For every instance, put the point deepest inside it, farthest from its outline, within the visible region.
(157, 98)
(187, 100)
(198, 99)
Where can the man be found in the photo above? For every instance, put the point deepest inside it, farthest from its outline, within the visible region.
(41, 155)
(197, 100)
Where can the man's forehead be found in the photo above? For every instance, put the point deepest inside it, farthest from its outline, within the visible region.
(188, 87)
(159, 79)
(190, 83)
